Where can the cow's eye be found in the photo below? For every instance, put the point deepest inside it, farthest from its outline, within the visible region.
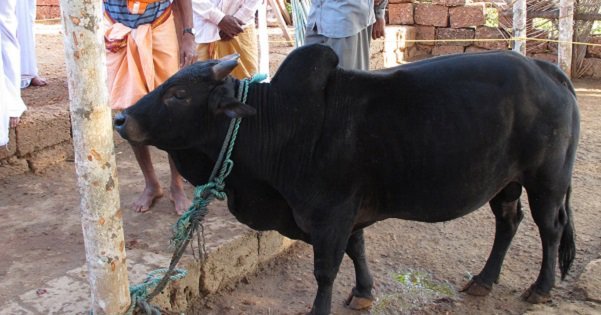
(180, 94)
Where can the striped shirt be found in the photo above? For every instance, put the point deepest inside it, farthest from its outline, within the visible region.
(118, 11)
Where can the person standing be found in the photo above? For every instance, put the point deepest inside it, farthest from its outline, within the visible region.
(225, 27)
(143, 51)
(26, 10)
(347, 27)
(11, 105)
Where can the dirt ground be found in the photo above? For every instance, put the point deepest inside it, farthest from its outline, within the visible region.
(418, 267)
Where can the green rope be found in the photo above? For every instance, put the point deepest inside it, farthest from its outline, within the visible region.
(189, 222)
(139, 292)
(213, 189)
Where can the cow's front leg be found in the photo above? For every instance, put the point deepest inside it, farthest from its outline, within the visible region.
(361, 297)
(329, 243)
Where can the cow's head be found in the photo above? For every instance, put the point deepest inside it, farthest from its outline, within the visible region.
(176, 114)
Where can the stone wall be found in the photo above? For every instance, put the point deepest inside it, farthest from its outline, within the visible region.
(422, 30)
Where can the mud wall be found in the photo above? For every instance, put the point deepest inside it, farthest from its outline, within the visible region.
(42, 138)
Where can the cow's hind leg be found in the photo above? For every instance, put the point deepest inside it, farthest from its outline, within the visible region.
(508, 213)
(361, 297)
(553, 219)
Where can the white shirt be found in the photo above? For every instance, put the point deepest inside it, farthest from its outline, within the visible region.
(208, 13)
(343, 18)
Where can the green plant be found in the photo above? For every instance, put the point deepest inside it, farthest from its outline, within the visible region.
(596, 28)
(492, 17)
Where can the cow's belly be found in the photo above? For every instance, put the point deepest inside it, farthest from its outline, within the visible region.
(436, 200)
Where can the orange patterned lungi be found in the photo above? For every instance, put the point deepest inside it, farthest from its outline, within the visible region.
(140, 59)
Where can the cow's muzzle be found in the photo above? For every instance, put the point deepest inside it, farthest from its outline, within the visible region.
(127, 128)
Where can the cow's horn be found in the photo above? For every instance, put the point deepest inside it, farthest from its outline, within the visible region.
(225, 66)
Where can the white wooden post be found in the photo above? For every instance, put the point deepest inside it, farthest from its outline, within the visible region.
(566, 33)
(263, 39)
(91, 121)
(519, 26)
(281, 21)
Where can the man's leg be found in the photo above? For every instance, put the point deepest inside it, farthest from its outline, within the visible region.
(177, 193)
(152, 190)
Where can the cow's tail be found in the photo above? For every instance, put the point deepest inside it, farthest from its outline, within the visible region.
(554, 71)
(567, 245)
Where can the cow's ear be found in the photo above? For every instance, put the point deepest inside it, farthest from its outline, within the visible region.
(221, 102)
(225, 67)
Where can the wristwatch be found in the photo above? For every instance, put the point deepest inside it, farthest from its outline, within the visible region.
(189, 30)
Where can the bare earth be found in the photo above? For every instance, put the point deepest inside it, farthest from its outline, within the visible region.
(418, 267)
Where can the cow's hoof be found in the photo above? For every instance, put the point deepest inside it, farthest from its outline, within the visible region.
(533, 296)
(477, 288)
(358, 303)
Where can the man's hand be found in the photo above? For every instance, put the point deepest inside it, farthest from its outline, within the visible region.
(229, 26)
(224, 36)
(187, 50)
(377, 30)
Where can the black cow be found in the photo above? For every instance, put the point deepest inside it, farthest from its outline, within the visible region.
(325, 152)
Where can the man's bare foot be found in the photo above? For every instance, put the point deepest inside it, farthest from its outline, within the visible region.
(180, 201)
(38, 81)
(146, 199)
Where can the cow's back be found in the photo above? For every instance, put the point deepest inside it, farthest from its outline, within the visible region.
(448, 133)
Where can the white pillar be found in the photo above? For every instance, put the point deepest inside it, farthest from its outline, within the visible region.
(519, 26)
(101, 217)
(263, 38)
(566, 33)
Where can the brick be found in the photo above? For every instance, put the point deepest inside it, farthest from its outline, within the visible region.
(400, 13)
(453, 34)
(399, 40)
(272, 244)
(425, 50)
(425, 34)
(548, 57)
(44, 12)
(399, 37)
(467, 16)
(594, 51)
(13, 166)
(44, 127)
(399, 1)
(48, 2)
(40, 160)
(408, 54)
(10, 148)
(592, 68)
(449, 3)
(391, 59)
(447, 50)
(434, 15)
(475, 49)
(485, 32)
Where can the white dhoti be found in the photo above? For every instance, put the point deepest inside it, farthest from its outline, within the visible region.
(11, 104)
(26, 10)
